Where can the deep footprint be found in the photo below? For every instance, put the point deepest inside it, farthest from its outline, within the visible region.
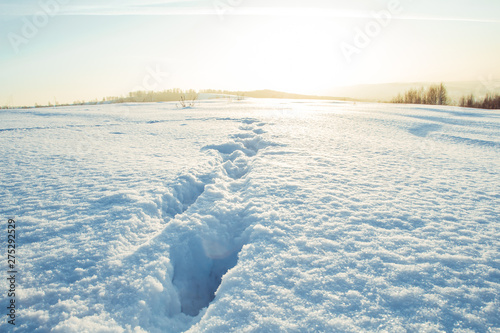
(198, 273)
(183, 195)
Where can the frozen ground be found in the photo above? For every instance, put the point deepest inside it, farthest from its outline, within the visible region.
(253, 216)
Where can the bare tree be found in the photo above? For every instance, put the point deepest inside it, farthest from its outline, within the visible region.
(442, 95)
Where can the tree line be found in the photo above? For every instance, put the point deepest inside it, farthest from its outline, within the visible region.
(490, 101)
(434, 95)
(154, 96)
(438, 95)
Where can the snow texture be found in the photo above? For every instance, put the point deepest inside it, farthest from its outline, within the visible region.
(253, 216)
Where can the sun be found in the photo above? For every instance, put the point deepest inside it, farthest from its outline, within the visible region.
(288, 54)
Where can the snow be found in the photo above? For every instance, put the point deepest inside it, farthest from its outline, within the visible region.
(254, 215)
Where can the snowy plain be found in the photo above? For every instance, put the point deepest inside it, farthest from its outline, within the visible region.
(253, 216)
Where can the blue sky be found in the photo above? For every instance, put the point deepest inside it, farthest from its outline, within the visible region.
(91, 49)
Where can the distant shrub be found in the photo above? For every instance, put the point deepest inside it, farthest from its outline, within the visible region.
(468, 101)
(188, 103)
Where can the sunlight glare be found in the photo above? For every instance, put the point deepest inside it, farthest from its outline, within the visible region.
(287, 55)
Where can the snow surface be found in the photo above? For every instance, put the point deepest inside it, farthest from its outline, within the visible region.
(253, 216)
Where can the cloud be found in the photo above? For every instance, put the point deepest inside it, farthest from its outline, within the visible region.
(199, 7)
(93, 7)
(451, 19)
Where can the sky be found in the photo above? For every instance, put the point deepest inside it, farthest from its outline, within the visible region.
(67, 50)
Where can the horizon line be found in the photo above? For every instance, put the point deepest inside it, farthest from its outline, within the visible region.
(204, 90)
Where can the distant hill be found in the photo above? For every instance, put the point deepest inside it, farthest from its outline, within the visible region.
(266, 93)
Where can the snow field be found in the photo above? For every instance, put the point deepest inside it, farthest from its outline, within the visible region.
(255, 216)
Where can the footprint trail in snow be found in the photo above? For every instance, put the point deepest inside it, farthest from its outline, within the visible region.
(176, 274)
